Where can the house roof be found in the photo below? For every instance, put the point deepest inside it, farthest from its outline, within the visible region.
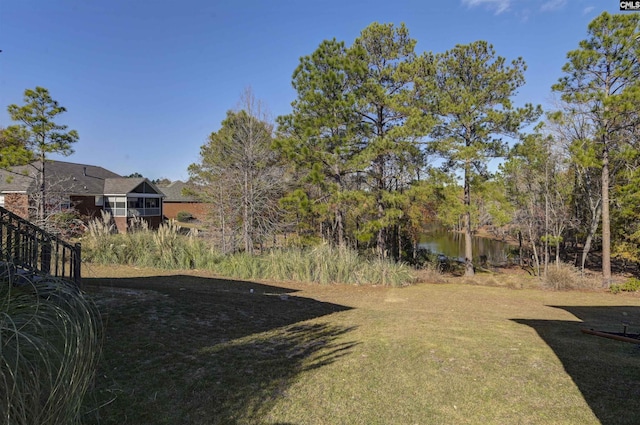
(67, 177)
(73, 179)
(173, 192)
(124, 185)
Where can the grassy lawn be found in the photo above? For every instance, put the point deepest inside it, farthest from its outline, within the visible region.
(188, 348)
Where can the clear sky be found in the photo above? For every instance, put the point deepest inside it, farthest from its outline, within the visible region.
(146, 81)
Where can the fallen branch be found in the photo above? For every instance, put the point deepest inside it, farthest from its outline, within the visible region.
(611, 336)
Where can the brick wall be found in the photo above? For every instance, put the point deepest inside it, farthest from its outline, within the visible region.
(122, 223)
(17, 203)
(86, 205)
(198, 209)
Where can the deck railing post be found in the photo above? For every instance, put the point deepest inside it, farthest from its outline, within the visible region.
(31, 247)
(45, 255)
(17, 243)
(77, 262)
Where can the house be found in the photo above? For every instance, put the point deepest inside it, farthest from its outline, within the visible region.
(86, 188)
(176, 201)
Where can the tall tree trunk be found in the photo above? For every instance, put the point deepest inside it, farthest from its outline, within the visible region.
(468, 247)
(339, 214)
(382, 236)
(520, 247)
(606, 219)
(595, 219)
(223, 227)
(546, 233)
(399, 240)
(340, 227)
(248, 246)
(41, 207)
(536, 258)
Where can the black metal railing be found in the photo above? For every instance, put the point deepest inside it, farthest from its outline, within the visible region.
(33, 249)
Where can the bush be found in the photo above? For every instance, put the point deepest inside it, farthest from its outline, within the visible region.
(631, 285)
(184, 216)
(564, 276)
(66, 224)
(49, 349)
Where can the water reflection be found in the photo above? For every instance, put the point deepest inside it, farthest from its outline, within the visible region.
(451, 244)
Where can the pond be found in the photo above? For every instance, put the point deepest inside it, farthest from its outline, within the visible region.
(451, 244)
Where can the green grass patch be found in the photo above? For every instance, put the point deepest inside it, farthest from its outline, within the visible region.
(191, 348)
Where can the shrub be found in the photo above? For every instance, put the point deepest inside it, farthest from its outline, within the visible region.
(66, 224)
(49, 348)
(631, 285)
(184, 216)
(565, 276)
(425, 259)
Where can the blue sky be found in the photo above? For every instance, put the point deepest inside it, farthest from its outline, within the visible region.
(146, 81)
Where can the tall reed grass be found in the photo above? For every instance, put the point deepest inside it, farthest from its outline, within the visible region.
(321, 264)
(162, 248)
(49, 348)
(167, 248)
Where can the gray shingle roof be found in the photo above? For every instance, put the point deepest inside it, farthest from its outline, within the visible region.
(173, 192)
(67, 177)
(124, 185)
(73, 179)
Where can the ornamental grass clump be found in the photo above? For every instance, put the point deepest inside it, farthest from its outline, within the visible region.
(321, 264)
(167, 248)
(564, 276)
(166, 245)
(99, 238)
(197, 253)
(164, 248)
(242, 266)
(49, 347)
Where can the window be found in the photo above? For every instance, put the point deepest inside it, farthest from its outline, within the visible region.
(135, 202)
(144, 188)
(116, 205)
(120, 206)
(151, 203)
(56, 203)
(135, 206)
(1, 200)
(152, 206)
(99, 201)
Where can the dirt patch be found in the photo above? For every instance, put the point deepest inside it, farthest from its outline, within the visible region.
(109, 296)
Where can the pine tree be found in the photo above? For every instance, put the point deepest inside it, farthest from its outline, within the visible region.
(37, 136)
(470, 91)
(601, 78)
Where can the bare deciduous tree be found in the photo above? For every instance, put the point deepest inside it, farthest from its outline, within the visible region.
(239, 174)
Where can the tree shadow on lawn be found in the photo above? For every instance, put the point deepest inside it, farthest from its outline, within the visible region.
(192, 350)
(606, 371)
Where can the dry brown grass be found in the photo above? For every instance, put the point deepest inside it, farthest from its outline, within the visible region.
(202, 350)
(565, 276)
